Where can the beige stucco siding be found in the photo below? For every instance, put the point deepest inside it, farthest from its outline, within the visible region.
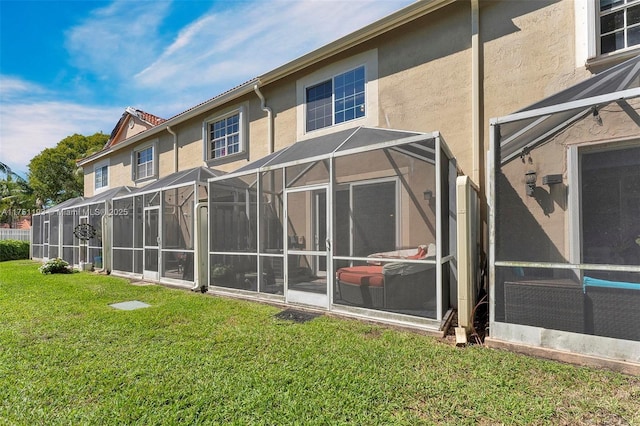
(615, 121)
(528, 52)
(190, 145)
(425, 78)
(424, 83)
(537, 228)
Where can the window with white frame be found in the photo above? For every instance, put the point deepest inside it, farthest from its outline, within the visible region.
(619, 25)
(101, 174)
(341, 95)
(144, 163)
(224, 135)
(336, 100)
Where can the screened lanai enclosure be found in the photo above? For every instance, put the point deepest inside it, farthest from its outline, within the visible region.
(155, 228)
(565, 243)
(45, 242)
(361, 220)
(74, 230)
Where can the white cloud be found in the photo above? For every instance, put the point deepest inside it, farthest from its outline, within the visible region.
(225, 48)
(119, 39)
(34, 123)
(123, 43)
(12, 87)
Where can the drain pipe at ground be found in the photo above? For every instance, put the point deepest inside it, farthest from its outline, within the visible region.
(106, 245)
(269, 112)
(200, 247)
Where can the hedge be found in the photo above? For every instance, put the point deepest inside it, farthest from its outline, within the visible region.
(13, 250)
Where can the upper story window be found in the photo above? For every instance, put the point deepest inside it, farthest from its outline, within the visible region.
(101, 174)
(224, 135)
(334, 101)
(619, 25)
(144, 162)
(341, 95)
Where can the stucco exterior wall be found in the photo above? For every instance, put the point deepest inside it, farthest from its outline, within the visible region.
(128, 131)
(532, 228)
(615, 121)
(528, 52)
(425, 78)
(424, 70)
(536, 228)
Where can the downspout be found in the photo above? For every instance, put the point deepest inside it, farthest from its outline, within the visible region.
(476, 103)
(269, 112)
(175, 149)
(464, 253)
(200, 248)
(106, 243)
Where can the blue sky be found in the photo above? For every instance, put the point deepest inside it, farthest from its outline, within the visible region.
(73, 66)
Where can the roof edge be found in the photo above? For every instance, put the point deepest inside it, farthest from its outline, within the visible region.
(381, 26)
(235, 93)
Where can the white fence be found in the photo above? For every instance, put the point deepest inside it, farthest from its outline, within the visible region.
(15, 234)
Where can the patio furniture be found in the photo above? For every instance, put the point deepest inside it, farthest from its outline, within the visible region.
(611, 308)
(393, 285)
(555, 304)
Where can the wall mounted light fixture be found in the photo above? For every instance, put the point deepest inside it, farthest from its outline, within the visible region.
(428, 195)
(530, 180)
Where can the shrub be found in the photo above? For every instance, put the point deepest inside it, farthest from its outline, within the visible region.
(55, 266)
(14, 250)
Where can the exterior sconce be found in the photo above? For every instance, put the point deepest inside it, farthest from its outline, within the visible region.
(530, 180)
(428, 195)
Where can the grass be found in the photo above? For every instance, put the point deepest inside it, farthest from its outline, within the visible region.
(66, 357)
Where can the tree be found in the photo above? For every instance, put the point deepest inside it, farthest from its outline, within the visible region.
(16, 196)
(53, 173)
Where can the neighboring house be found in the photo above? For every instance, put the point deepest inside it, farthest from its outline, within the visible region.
(297, 186)
(24, 223)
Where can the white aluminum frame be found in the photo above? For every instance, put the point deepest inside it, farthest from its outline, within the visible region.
(441, 260)
(296, 296)
(148, 274)
(536, 336)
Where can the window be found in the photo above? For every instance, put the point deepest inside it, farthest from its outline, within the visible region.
(144, 161)
(224, 135)
(619, 24)
(144, 164)
(334, 101)
(101, 176)
(342, 95)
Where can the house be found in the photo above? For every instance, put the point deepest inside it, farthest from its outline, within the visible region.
(356, 178)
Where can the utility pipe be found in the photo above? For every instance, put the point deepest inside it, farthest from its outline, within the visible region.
(175, 149)
(476, 127)
(269, 112)
(107, 232)
(200, 248)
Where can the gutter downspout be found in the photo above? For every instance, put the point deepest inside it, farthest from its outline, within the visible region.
(201, 248)
(175, 149)
(269, 112)
(466, 298)
(106, 244)
(476, 103)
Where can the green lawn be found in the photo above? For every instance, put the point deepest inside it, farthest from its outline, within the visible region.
(66, 357)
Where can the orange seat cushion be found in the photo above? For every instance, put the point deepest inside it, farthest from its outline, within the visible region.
(370, 275)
